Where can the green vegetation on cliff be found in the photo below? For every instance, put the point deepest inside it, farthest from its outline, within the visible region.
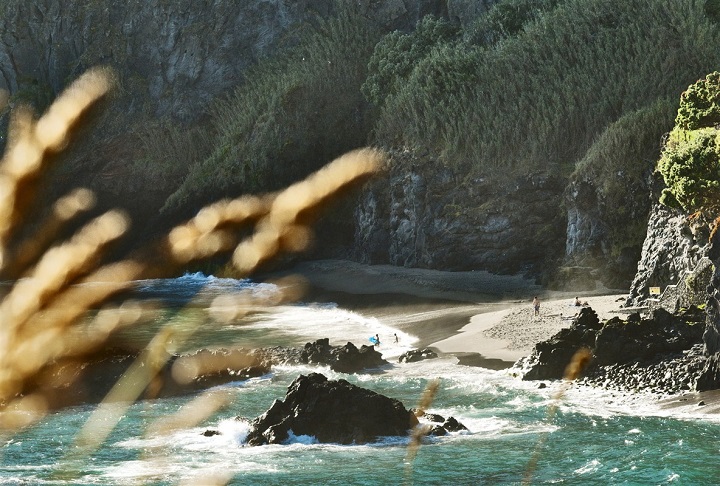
(569, 90)
(295, 112)
(619, 164)
(690, 163)
(578, 89)
(529, 87)
(538, 100)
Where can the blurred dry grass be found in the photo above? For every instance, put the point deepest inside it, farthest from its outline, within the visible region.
(573, 370)
(56, 310)
(420, 430)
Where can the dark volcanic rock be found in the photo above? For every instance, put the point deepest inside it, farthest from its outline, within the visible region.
(672, 246)
(549, 359)
(413, 218)
(344, 359)
(90, 380)
(710, 376)
(437, 424)
(642, 339)
(331, 411)
(417, 355)
(661, 353)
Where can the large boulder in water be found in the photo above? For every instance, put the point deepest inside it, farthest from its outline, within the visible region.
(331, 411)
(417, 355)
(343, 359)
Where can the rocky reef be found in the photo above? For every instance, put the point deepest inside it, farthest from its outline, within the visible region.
(417, 355)
(331, 411)
(336, 411)
(661, 353)
(344, 359)
(91, 379)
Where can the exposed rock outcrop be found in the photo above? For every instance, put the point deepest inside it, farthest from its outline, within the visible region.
(347, 358)
(437, 424)
(416, 218)
(673, 245)
(417, 355)
(89, 380)
(174, 57)
(710, 376)
(331, 411)
(344, 359)
(660, 353)
(336, 411)
(592, 232)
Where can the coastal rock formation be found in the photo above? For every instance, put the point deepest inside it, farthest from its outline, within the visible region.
(173, 61)
(589, 240)
(710, 376)
(417, 355)
(416, 218)
(673, 245)
(437, 424)
(659, 353)
(344, 359)
(176, 56)
(90, 380)
(331, 411)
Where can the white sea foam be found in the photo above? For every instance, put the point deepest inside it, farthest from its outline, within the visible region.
(300, 439)
(589, 467)
(308, 323)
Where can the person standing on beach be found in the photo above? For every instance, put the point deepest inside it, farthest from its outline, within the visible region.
(536, 305)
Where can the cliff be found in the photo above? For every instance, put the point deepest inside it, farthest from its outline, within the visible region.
(490, 168)
(418, 215)
(172, 61)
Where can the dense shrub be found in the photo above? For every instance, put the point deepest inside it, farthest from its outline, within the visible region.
(700, 104)
(397, 54)
(539, 99)
(619, 165)
(690, 165)
(506, 19)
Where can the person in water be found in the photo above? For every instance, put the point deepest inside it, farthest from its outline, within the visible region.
(377, 340)
(396, 338)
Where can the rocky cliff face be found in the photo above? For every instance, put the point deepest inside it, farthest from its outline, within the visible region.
(174, 57)
(710, 377)
(673, 246)
(422, 217)
(596, 238)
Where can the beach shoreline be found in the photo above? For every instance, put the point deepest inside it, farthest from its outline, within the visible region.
(484, 319)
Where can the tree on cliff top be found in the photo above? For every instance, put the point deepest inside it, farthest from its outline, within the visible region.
(690, 162)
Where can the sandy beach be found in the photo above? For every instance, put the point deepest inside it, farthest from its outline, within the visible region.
(482, 318)
(512, 333)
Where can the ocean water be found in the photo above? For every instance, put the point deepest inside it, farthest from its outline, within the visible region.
(587, 436)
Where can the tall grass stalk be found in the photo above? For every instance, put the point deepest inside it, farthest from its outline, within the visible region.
(52, 317)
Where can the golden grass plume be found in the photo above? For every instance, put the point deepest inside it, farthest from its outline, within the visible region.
(573, 370)
(57, 307)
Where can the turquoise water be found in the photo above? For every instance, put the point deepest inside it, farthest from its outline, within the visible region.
(594, 436)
